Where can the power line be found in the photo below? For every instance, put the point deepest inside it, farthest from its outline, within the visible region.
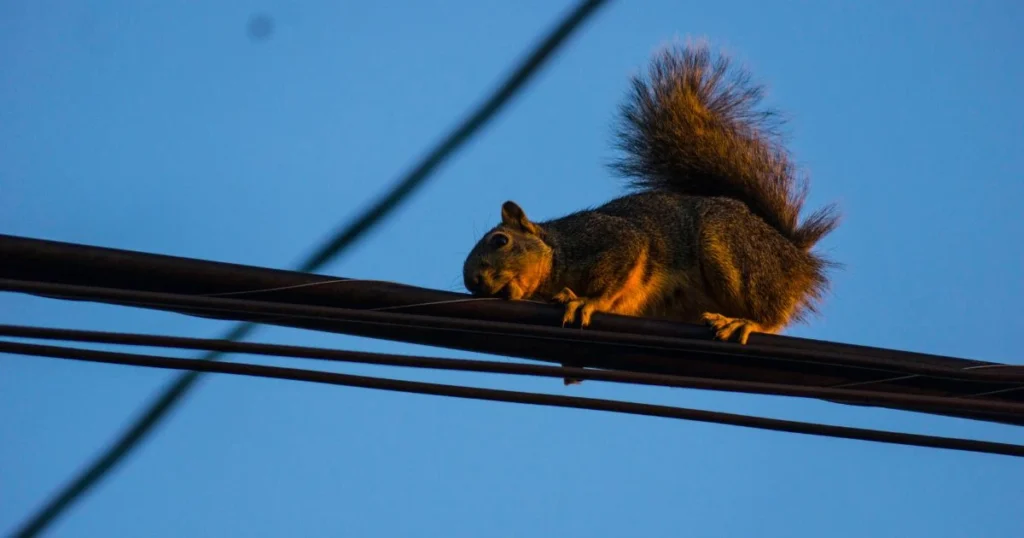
(111, 275)
(905, 401)
(403, 327)
(605, 349)
(327, 251)
(475, 393)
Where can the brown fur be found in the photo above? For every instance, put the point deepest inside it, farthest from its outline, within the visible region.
(711, 234)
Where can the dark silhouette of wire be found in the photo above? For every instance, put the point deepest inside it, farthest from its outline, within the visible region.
(293, 315)
(38, 260)
(456, 138)
(907, 401)
(476, 393)
(618, 350)
(114, 276)
(338, 242)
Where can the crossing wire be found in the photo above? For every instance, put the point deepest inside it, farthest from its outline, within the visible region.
(344, 238)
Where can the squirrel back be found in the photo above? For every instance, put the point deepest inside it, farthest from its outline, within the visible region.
(693, 127)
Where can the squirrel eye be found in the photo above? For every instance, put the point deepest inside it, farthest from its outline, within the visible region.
(498, 240)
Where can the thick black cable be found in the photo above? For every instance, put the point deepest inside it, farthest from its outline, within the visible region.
(49, 261)
(907, 401)
(326, 252)
(475, 393)
(278, 313)
(604, 350)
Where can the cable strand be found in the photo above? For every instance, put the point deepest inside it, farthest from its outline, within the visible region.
(466, 392)
(911, 402)
(344, 238)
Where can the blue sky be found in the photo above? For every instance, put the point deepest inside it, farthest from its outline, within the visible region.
(159, 126)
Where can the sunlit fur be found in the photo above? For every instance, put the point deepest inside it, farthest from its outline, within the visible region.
(711, 233)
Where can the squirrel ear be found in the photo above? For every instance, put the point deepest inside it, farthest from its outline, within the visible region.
(513, 216)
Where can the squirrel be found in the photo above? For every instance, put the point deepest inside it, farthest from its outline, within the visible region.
(710, 233)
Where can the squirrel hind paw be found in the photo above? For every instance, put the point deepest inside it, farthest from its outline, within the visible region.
(731, 329)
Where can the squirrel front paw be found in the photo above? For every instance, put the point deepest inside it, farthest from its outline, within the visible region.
(734, 329)
(575, 305)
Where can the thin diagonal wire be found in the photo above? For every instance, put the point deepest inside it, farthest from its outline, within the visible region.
(459, 391)
(345, 237)
(994, 392)
(292, 287)
(916, 402)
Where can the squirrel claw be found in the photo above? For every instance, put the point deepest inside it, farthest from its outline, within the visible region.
(730, 329)
(571, 308)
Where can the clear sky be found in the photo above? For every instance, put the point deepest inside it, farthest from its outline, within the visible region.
(160, 126)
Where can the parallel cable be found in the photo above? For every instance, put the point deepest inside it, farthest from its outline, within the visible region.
(475, 393)
(908, 401)
(345, 237)
(49, 261)
(272, 312)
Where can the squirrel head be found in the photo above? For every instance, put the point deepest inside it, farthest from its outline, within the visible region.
(510, 260)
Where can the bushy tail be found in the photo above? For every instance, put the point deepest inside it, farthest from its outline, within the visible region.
(693, 126)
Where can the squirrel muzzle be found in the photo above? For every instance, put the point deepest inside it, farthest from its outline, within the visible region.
(480, 279)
